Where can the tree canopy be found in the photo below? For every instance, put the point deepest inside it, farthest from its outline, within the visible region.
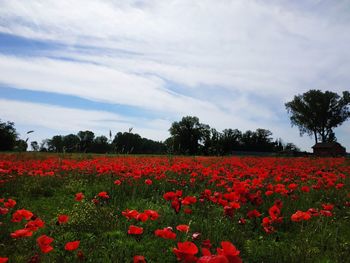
(8, 136)
(317, 113)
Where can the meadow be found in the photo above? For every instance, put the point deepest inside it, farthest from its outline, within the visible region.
(90, 208)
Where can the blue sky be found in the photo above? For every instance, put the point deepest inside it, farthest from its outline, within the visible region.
(110, 65)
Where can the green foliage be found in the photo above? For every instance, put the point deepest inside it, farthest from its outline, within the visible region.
(8, 136)
(317, 113)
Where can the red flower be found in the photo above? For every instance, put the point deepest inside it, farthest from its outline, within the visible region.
(148, 181)
(253, 213)
(206, 244)
(183, 228)
(326, 213)
(103, 195)
(166, 233)
(35, 224)
(135, 230)
(62, 219)
(189, 200)
(274, 212)
(229, 251)
(152, 214)
(305, 189)
(328, 207)
(142, 217)
(187, 211)
(129, 214)
(300, 215)
(3, 211)
(72, 245)
(20, 214)
(117, 182)
(186, 251)
(176, 205)
(21, 233)
(10, 203)
(139, 259)
(44, 243)
(3, 260)
(79, 197)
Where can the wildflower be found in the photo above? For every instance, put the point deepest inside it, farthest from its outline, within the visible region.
(186, 251)
(139, 259)
(183, 228)
(62, 219)
(70, 246)
(44, 243)
(79, 197)
(135, 230)
(166, 233)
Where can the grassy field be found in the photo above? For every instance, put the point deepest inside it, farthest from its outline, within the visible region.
(173, 209)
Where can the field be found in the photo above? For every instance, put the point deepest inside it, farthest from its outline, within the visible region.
(173, 209)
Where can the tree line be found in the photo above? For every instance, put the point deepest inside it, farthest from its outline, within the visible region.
(188, 136)
(315, 113)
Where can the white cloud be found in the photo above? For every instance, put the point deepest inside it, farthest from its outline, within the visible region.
(62, 120)
(257, 55)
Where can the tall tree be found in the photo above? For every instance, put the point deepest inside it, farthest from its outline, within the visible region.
(86, 140)
(317, 113)
(71, 143)
(55, 144)
(8, 136)
(188, 134)
(35, 146)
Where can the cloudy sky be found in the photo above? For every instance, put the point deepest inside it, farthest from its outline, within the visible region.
(67, 66)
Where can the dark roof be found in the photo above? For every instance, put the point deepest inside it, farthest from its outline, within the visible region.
(327, 145)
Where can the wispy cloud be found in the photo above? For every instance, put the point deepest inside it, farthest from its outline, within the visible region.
(231, 63)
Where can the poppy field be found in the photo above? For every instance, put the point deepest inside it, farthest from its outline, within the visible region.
(85, 208)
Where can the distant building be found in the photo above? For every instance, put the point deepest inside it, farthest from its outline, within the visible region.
(329, 149)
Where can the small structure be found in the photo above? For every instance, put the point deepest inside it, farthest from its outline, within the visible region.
(329, 149)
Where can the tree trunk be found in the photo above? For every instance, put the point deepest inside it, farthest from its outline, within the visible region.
(315, 133)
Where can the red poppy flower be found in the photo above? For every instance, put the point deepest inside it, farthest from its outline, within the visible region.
(183, 228)
(328, 207)
(186, 251)
(229, 251)
(117, 182)
(103, 195)
(187, 211)
(3, 211)
(253, 213)
(274, 212)
(129, 214)
(35, 224)
(135, 230)
(148, 181)
(305, 189)
(62, 219)
(21, 233)
(176, 205)
(152, 214)
(72, 245)
(300, 215)
(79, 197)
(20, 214)
(166, 233)
(142, 217)
(139, 259)
(189, 200)
(10, 203)
(44, 243)
(326, 213)
(3, 260)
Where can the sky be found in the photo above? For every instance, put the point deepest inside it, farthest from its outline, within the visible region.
(106, 65)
